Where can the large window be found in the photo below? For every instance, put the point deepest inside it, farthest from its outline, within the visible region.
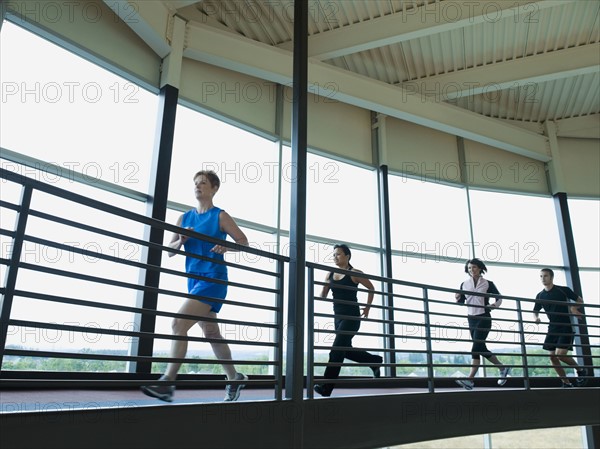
(246, 164)
(63, 116)
(429, 218)
(68, 112)
(515, 228)
(585, 220)
(341, 200)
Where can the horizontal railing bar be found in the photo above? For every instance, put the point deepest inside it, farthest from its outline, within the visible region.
(105, 331)
(124, 213)
(129, 358)
(71, 383)
(141, 242)
(103, 281)
(111, 258)
(86, 303)
(8, 205)
(326, 268)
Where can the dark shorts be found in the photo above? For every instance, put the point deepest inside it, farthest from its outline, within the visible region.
(211, 289)
(559, 337)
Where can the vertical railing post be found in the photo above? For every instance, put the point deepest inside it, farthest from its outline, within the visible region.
(279, 332)
(388, 287)
(310, 330)
(430, 372)
(523, 346)
(11, 273)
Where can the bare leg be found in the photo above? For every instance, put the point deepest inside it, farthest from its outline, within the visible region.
(181, 327)
(555, 360)
(496, 362)
(562, 355)
(475, 363)
(221, 350)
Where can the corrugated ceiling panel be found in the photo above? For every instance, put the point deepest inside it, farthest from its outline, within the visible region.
(533, 32)
(571, 97)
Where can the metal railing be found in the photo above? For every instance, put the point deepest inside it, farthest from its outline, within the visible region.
(431, 336)
(47, 284)
(427, 337)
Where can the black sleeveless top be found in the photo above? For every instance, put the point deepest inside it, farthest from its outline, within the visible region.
(347, 294)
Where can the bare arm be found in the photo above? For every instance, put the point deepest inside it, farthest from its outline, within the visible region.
(575, 308)
(230, 227)
(325, 289)
(177, 240)
(368, 285)
(536, 311)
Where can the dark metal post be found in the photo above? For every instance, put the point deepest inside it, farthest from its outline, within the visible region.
(582, 341)
(429, 346)
(310, 327)
(156, 208)
(279, 338)
(523, 341)
(294, 378)
(388, 299)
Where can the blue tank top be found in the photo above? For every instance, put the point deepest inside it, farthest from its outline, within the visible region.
(205, 223)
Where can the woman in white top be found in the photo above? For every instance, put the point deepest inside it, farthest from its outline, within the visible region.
(480, 319)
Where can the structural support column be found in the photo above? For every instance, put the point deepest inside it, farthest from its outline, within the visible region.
(378, 143)
(582, 340)
(386, 242)
(156, 208)
(572, 271)
(159, 189)
(294, 379)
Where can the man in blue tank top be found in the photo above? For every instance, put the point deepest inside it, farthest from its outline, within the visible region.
(207, 287)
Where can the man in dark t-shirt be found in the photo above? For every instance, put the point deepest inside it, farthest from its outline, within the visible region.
(554, 300)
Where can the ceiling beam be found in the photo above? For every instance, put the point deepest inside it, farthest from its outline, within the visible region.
(194, 14)
(587, 127)
(253, 58)
(415, 23)
(148, 19)
(178, 4)
(520, 72)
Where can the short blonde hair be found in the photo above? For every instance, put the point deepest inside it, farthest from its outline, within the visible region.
(211, 176)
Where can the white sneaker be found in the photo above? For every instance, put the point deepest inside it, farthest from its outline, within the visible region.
(504, 373)
(232, 392)
(162, 392)
(465, 383)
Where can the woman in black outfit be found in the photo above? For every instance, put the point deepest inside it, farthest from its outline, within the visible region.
(347, 317)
